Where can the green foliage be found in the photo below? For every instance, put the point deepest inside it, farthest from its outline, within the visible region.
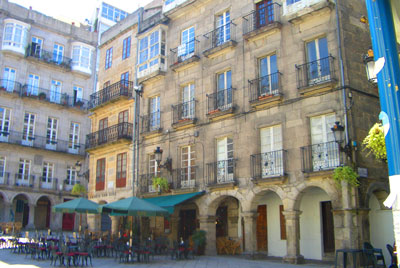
(375, 142)
(78, 189)
(346, 173)
(161, 183)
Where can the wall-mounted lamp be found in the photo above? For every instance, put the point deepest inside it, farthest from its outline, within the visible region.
(78, 166)
(370, 66)
(338, 132)
(168, 162)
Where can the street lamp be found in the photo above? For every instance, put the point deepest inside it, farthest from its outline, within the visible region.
(370, 66)
(338, 131)
(168, 162)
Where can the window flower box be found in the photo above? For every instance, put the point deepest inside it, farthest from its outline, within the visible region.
(184, 120)
(214, 111)
(263, 97)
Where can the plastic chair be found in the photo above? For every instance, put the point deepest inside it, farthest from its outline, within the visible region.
(374, 254)
(393, 262)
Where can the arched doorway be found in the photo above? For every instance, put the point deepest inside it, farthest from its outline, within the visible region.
(3, 212)
(188, 222)
(21, 211)
(105, 220)
(317, 239)
(43, 213)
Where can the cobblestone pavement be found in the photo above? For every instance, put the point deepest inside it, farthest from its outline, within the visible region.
(8, 259)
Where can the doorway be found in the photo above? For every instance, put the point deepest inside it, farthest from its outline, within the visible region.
(327, 227)
(187, 223)
(262, 233)
(222, 222)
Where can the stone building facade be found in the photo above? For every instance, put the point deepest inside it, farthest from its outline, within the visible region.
(241, 98)
(47, 69)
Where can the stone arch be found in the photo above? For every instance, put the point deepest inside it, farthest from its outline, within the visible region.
(49, 197)
(42, 210)
(208, 204)
(5, 197)
(27, 196)
(259, 191)
(380, 190)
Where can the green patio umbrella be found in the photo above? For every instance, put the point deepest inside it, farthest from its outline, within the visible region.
(133, 206)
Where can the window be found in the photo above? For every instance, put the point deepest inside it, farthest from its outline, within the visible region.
(103, 125)
(318, 68)
(154, 113)
(151, 47)
(78, 94)
(264, 13)
(124, 82)
(81, 57)
(72, 175)
(121, 170)
(73, 140)
(126, 48)
(37, 46)
(153, 168)
(224, 90)
(223, 28)
(15, 34)
(8, 81)
(225, 160)
(33, 85)
(268, 83)
(55, 91)
(271, 151)
(112, 13)
(100, 174)
(289, 2)
(325, 152)
(188, 108)
(5, 115)
(47, 175)
(106, 84)
(167, 2)
(24, 172)
(188, 164)
(186, 49)
(109, 53)
(123, 117)
(58, 53)
(51, 135)
(28, 134)
(2, 169)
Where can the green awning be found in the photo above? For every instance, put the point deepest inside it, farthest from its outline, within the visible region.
(168, 202)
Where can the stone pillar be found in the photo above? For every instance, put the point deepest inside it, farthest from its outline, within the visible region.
(31, 220)
(174, 225)
(114, 225)
(250, 231)
(292, 219)
(56, 221)
(6, 213)
(91, 220)
(207, 223)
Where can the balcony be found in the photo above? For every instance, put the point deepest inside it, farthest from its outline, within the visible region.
(146, 183)
(220, 40)
(185, 55)
(151, 124)
(36, 52)
(185, 178)
(183, 115)
(316, 76)
(48, 183)
(322, 156)
(114, 92)
(121, 131)
(296, 12)
(262, 22)
(220, 104)
(19, 138)
(268, 166)
(24, 180)
(68, 185)
(10, 86)
(221, 173)
(266, 90)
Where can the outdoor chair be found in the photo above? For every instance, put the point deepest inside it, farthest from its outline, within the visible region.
(124, 253)
(55, 255)
(393, 261)
(373, 255)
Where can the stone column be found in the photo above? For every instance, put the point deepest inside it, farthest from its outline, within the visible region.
(292, 219)
(91, 220)
(114, 225)
(174, 225)
(56, 221)
(250, 231)
(31, 220)
(207, 223)
(6, 212)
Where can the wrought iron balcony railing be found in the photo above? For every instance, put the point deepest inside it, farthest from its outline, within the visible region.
(267, 165)
(112, 92)
(220, 36)
(24, 180)
(322, 156)
(221, 172)
(151, 122)
(110, 134)
(10, 86)
(46, 56)
(184, 111)
(315, 72)
(48, 183)
(261, 17)
(35, 141)
(184, 52)
(146, 183)
(185, 178)
(265, 87)
(68, 185)
(220, 101)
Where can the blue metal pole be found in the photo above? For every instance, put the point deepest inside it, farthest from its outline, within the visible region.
(384, 46)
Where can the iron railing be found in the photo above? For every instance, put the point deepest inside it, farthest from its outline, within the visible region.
(10, 86)
(261, 17)
(185, 178)
(151, 122)
(220, 36)
(267, 165)
(35, 141)
(322, 156)
(68, 185)
(48, 183)
(184, 52)
(146, 183)
(315, 72)
(183, 111)
(111, 134)
(221, 100)
(46, 56)
(4, 178)
(114, 91)
(221, 172)
(24, 180)
(264, 87)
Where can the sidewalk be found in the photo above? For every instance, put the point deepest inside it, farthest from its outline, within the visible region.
(8, 259)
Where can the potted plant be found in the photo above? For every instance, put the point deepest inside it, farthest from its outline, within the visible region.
(347, 174)
(199, 240)
(78, 190)
(161, 183)
(375, 142)
(42, 96)
(79, 104)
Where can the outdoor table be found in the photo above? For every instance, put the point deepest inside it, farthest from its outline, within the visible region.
(344, 251)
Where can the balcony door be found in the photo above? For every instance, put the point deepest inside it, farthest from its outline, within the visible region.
(47, 175)
(325, 152)
(28, 134)
(24, 169)
(188, 163)
(72, 175)
(103, 125)
(188, 102)
(154, 113)
(224, 90)
(268, 82)
(318, 62)
(33, 85)
(271, 151)
(51, 135)
(3, 170)
(5, 114)
(73, 140)
(186, 49)
(55, 92)
(58, 53)
(223, 28)
(8, 81)
(37, 45)
(264, 13)
(100, 174)
(225, 160)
